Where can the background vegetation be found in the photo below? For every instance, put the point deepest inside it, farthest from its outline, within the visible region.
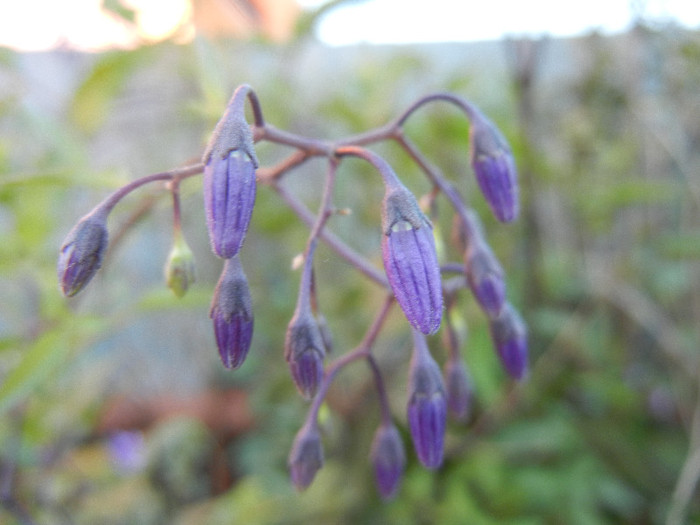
(604, 264)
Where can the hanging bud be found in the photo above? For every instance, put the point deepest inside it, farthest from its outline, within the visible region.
(459, 389)
(304, 351)
(306, 456)
(389, 459)
(485, 277)
(232, 314)
(427, 407)
(81, 253)
(509, 335)
(494, 167)
(410, 260)
(179, 268)
(229, 179)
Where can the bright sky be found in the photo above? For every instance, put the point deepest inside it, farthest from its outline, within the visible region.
(43, 24)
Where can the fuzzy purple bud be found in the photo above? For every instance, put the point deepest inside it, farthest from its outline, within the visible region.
(389, 459)
(509, 335)
(459, 389)
(485, 277)
(306, 456)
(81, 253)
(494, 167)
(232, 314)
(427, 407)
(229, 197)
(304, 351)
(410, 260)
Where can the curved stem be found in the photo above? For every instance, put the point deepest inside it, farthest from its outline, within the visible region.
(362, 351)
(178, 173)
(382, 166)
(337, 245)
(467, 107)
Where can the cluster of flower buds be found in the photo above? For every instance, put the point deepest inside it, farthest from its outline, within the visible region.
(412, 277)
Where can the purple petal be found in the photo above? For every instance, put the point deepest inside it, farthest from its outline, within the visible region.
(229, 197)
(81, 253)
(427, 407)
(410, 261)
(459, 389)
(389, 459)
(485, 278)
(232, 314)
(306, 457)
(494, 168)
(509, 335)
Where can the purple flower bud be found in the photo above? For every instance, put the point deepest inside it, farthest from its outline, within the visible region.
(485, 277)
(410, 260)
(459, 389)
(304, 351)
(509, 335)
(81, 253)
(493, 164)
(306, 456)
(389, 459)
(427, 407)
(229, 196)
(232, 314)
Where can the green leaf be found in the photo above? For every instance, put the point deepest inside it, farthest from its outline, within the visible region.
(44, 356)
(93, 99)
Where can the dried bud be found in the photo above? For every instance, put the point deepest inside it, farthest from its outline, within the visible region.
(509, 335)
(410, 260)
(306, 456)
(304, 351)
(427, 407)
(81, 253)
(229, 196)
(494, 167)
(389, 459)
(179, 269)
(459, 389)
(485, 277)
(232, 314)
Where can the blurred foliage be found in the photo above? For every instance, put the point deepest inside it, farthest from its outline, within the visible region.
(605, 262)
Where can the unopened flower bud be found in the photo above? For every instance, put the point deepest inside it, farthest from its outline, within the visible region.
(509, 335)
(229, 180)
(459, 389)
(494, 167)
(485, 277)
(179, 269)
(304, 351)
(229, 197)
(410, 260)
(427, 407)
(389, 459)
(81, 253)
(326, 334)
(232, 314)
(306, 456)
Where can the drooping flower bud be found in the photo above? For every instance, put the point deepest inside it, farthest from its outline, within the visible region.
(81, 253)
(494, 167)
(229, 180)
(427, 407)
(459, 389)
(509, 335)
(232, 314)
(304, 351)
(389, 459)
(485, 277)
(410, 260)
(179, 268)
(306, 456)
